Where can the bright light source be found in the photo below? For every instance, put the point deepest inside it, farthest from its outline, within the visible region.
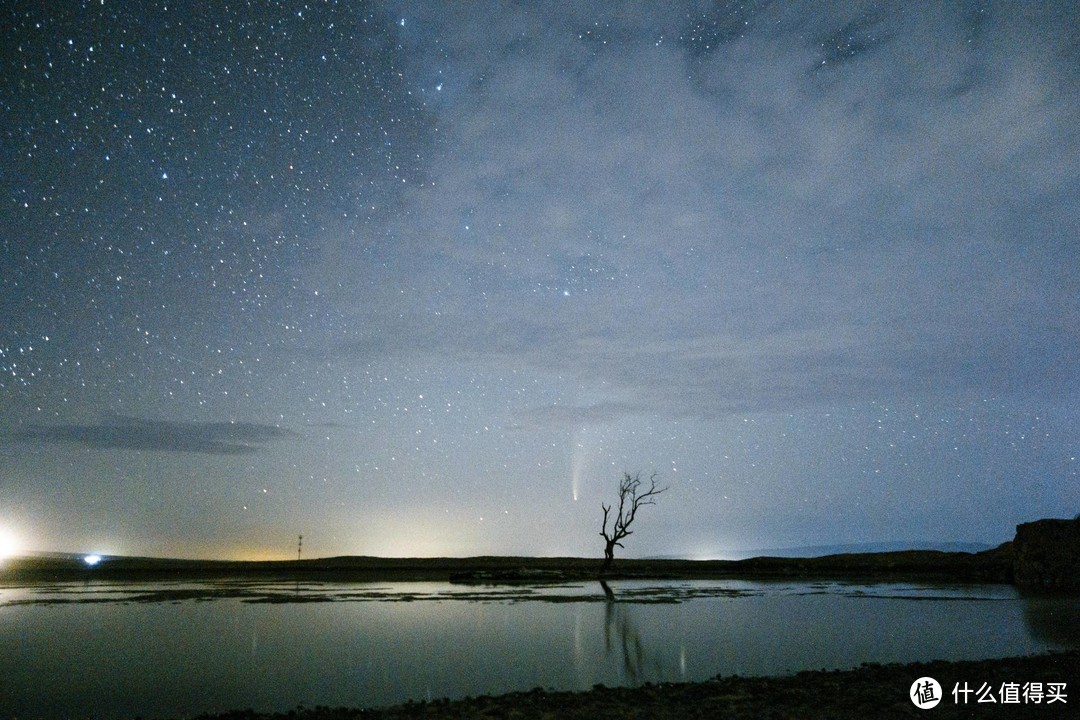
(92, 560)
(9, 546)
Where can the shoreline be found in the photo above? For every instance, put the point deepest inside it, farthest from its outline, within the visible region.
(1043, 556)
(992, 566)
(872, 690)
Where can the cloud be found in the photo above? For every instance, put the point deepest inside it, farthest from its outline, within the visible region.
(127, 433)
(819, 203)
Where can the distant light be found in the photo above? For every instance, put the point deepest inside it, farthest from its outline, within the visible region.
(92, 560)
(9, 546)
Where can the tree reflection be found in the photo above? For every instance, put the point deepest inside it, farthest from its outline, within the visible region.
(621, 637)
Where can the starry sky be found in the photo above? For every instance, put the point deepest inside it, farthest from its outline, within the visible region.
(420, 278)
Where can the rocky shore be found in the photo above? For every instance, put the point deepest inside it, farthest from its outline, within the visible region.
(871, 691)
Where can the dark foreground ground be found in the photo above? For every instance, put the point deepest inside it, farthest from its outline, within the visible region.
(872, 691)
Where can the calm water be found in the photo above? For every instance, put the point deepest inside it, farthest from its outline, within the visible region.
(174, 650)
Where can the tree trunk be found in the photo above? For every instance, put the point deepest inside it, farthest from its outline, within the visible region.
(609, 555)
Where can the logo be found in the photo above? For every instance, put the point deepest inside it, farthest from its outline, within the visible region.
(925, 693)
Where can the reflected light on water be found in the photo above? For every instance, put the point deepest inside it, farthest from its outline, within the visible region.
(580, 659)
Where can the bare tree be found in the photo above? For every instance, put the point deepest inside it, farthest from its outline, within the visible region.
(632, 495)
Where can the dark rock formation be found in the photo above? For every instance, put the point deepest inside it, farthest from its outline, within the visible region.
(1046, 554)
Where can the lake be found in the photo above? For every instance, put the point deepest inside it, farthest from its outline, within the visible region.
(120, 650)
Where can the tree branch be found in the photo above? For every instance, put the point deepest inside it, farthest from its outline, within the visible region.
(631, 498)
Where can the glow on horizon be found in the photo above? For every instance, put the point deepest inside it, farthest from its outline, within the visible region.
(9, 544)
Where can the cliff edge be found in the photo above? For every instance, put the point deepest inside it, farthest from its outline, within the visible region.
(1046, 554)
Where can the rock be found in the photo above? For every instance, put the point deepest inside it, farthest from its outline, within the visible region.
(1046, 554)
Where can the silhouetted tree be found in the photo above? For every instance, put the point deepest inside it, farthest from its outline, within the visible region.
(632, 495)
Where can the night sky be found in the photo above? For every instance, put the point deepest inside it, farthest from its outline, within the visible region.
(424, 279)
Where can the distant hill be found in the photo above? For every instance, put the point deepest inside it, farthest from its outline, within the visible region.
(991, 566)
(809, 551)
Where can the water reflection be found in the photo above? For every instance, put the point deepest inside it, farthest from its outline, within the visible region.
(609, 594)
(187, 648)
(622, 640)
(1053, 622)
